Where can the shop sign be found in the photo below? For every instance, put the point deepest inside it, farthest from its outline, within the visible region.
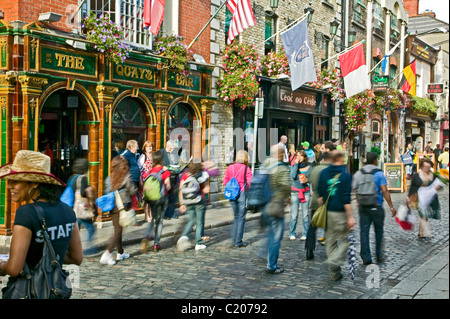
(132, 72)
(68, 62)
(435, 88)
(380, 83)
(191, 82)
(297, 101)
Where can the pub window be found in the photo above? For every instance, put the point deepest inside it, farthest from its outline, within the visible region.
(378, 15)
(358, 11)
(392, 76)
(376, 127)
(377, 70)
(128, 14)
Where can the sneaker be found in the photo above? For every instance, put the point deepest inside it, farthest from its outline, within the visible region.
(321, 239)
(292, 237)
(156, 247)
(122, 256)
(303, 238)
(183, 243)
(107, 259)
(199, 246)
(144, 245)
(275, 271)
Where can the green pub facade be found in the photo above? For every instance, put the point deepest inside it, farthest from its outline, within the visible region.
(54, 93)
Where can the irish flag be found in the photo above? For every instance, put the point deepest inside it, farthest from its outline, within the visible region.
(354, 71)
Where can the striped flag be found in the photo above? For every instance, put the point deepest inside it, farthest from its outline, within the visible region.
(153, 14)
(408, 82)
(243, 17)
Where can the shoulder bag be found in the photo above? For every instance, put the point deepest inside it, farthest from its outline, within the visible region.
(126, 217)
(46, 280)
(319, 219)
(81, 204)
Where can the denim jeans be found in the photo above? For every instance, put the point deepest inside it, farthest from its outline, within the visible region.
(295, 203)
(367, 216)
(409, 169)
(239, 210)
(196, 213)
(157, 219)
(89, 225)
(275, 235)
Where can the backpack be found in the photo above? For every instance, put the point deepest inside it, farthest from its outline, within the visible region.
(367, 189)
(190, 190)
(154, 188)
(260, 191)
(232, 188)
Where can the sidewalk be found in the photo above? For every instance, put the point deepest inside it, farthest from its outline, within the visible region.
(429, 281)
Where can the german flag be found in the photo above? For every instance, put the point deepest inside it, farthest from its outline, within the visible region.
(408, 82)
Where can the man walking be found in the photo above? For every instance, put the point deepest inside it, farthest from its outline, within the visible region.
(370, 202)
(336, 181)
(282, 143)
(281, 189)
(310, 243)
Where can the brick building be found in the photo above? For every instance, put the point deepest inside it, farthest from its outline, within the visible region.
(54, 88)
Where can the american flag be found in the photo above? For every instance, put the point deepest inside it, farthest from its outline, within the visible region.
(243, 17)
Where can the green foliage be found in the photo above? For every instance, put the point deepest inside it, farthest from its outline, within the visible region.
(375, 149)
(107, 36)
(238, 84)
(172, 47)
(424, 105)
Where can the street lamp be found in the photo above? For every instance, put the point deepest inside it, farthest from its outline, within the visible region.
(259, 10)
(351, 35)
(310, 12)
(333, 27)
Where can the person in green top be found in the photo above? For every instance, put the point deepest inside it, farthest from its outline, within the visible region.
(310, 243)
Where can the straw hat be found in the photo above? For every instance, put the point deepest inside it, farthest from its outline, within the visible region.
(30, 166)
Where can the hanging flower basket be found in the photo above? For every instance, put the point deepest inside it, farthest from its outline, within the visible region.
(395, 99)
(107, 36)
(172, 47)
(330, 80)
(275, 65)
(238, 84)
(358, 109)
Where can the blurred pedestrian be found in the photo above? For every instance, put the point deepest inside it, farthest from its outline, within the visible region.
(281, 188)
(374, 213)
(300, 194)
(310, 243)
(340, 221)
(443, 159)
(31, 183)
(409, 167)
(428, 149)
(130, 155)
(423, 178)
(282, 143)
(292, 154)
(309, 153)
(170, 159)
(79, 182)
(120, 180)
(317, 150)
(193, 185)
(157, 207)
(145, 163)
(119, 148)
(437, 152)
(243, 175)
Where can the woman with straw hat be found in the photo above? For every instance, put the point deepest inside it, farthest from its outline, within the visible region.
(29, 180)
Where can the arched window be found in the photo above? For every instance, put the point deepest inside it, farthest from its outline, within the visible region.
(128, 121)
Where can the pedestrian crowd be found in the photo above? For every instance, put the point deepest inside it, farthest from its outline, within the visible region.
(304, 179)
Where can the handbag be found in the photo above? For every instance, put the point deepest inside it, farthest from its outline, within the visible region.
(319, 219)
(106, 202)
(81, 204)
(46, 280)
(126, 217)
(276, 208)
(68, 195)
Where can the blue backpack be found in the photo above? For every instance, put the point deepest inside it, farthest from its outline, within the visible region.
(260, 191)
(232, 188)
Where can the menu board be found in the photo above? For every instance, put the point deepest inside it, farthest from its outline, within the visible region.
(394, 176)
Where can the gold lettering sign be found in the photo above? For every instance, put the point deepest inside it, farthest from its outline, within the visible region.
(134, 72)
(69, 61)
(184, 81)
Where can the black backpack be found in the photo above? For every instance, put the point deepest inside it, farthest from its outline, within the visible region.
(46, 280)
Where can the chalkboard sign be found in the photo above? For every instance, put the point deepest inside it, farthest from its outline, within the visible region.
(394, 176)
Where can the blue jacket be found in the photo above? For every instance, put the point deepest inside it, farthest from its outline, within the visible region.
(134, 167)
(342, 190)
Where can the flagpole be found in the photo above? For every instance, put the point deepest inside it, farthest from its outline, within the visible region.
(285, 28)
(393, 49)
(203, 29)
(340, 53)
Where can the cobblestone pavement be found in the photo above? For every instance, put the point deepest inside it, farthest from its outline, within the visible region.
(224, 272)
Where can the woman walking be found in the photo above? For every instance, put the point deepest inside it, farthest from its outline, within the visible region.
(243, 175)
(119, 180)
(300, 194)
(145, 163)
(423, 178)
(79, 183)
(30, 182)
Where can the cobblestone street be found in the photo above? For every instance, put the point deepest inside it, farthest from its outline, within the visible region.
(223, 272)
